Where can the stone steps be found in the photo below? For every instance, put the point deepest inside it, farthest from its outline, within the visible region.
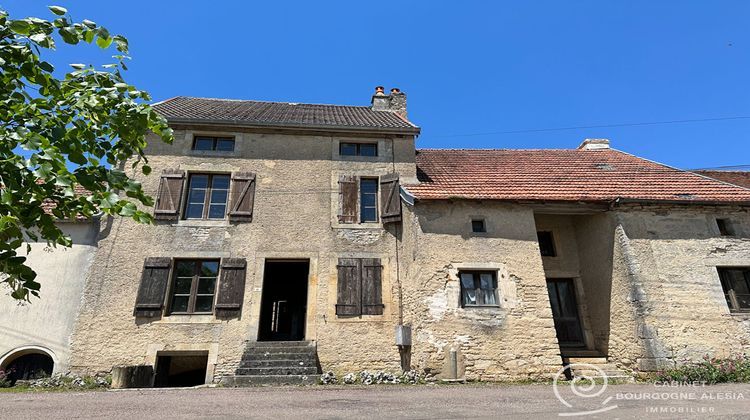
(596, 367)
(257, 380)
(276, 363)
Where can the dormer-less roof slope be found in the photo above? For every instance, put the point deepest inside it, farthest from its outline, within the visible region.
(741, 178)
(183, 109)
(562, 175)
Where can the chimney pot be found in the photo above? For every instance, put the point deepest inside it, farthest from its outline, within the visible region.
(379, 90)
(395, 90)
(594, 144)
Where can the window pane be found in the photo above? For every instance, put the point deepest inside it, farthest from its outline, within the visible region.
(198, 181)
(469, 297)
(729, 300)
(219, 196)
(737, 282)
(220, 182)
(467, 281)
(368, 149)
(486, 281)
(206, 285)
(203, 143)
(477, 226)
(217, 211)
(369, 215)
(180, 304)
(182, 285)
(347, 149)
(368, 186)
(184, 268)
(225, 145)
(209, 268)
(546, 244)
(197, 196)
(194, 211)
(743, 301)
(204, 303)
(369, 200)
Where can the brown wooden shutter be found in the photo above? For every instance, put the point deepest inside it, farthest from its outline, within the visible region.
(169, 196)
(242, 197)
(372, 295)
(390, 199)
(347, 199)
(153, 289)
(231, 287)
(349, 302)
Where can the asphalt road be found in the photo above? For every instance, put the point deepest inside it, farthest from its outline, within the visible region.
(385, 401)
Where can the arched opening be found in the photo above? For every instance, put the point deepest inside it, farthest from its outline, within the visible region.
(26, 364)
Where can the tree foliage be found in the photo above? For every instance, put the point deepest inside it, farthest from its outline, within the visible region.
(58, 133)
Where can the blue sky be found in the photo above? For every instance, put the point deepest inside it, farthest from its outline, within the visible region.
(468, 67)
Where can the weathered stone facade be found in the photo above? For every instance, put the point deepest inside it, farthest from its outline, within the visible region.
(646, 286)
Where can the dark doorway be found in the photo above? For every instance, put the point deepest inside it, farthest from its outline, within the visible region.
(562, 297)
(179, 370)
(283, 307)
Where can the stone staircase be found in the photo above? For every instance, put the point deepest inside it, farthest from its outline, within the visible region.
(276, 363)
(596, 367)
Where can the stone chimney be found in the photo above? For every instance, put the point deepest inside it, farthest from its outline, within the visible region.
(594, 144)
(398, 102)
(395, 102)
(380, 102)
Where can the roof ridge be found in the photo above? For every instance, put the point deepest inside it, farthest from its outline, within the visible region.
(503, 149)
(268, 102)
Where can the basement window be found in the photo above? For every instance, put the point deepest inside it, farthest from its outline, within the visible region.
(546, 244)
(736, 284)
(725, 227)
(178, 370)
(478, 226)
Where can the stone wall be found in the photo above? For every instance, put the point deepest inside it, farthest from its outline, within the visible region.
(296, 203)
(668, 305)
(45, 324)
(515, 340)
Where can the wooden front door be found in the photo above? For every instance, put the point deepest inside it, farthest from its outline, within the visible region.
(562, 298)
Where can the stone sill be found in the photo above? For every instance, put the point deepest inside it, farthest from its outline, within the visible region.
(371, 226)
(481, 307)
(203, 223)
(189, 319)
(742, 315)
(212, 153)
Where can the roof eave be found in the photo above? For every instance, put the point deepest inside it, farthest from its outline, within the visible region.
(305, 127)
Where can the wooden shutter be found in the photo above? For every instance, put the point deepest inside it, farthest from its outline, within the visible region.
(242, 197)
(372, 296)
(390, 199)
(153, 289)
(347, 199)
(349, 302)
(169, 196)
(231, 291)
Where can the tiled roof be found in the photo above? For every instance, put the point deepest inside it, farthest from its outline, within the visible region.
(741, 178)
(561, 175)
(280, 114)
(48, 205)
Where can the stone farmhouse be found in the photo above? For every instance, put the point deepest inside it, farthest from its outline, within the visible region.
(294, 238)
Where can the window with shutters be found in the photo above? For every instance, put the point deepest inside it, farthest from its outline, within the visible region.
(369, 199)
(359, 287)
(207, 196)
(736, 284)
(478, 288)
(194, 286)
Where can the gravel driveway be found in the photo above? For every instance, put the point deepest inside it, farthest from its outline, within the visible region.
(386, 401)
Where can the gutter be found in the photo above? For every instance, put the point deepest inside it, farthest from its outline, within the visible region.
(297, 126)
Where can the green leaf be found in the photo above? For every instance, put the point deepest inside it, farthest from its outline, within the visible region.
(20, 27)
(103, 42)
(69, 35)
(146, 169)
(78, 66)
(46, 66)
(58, 10)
